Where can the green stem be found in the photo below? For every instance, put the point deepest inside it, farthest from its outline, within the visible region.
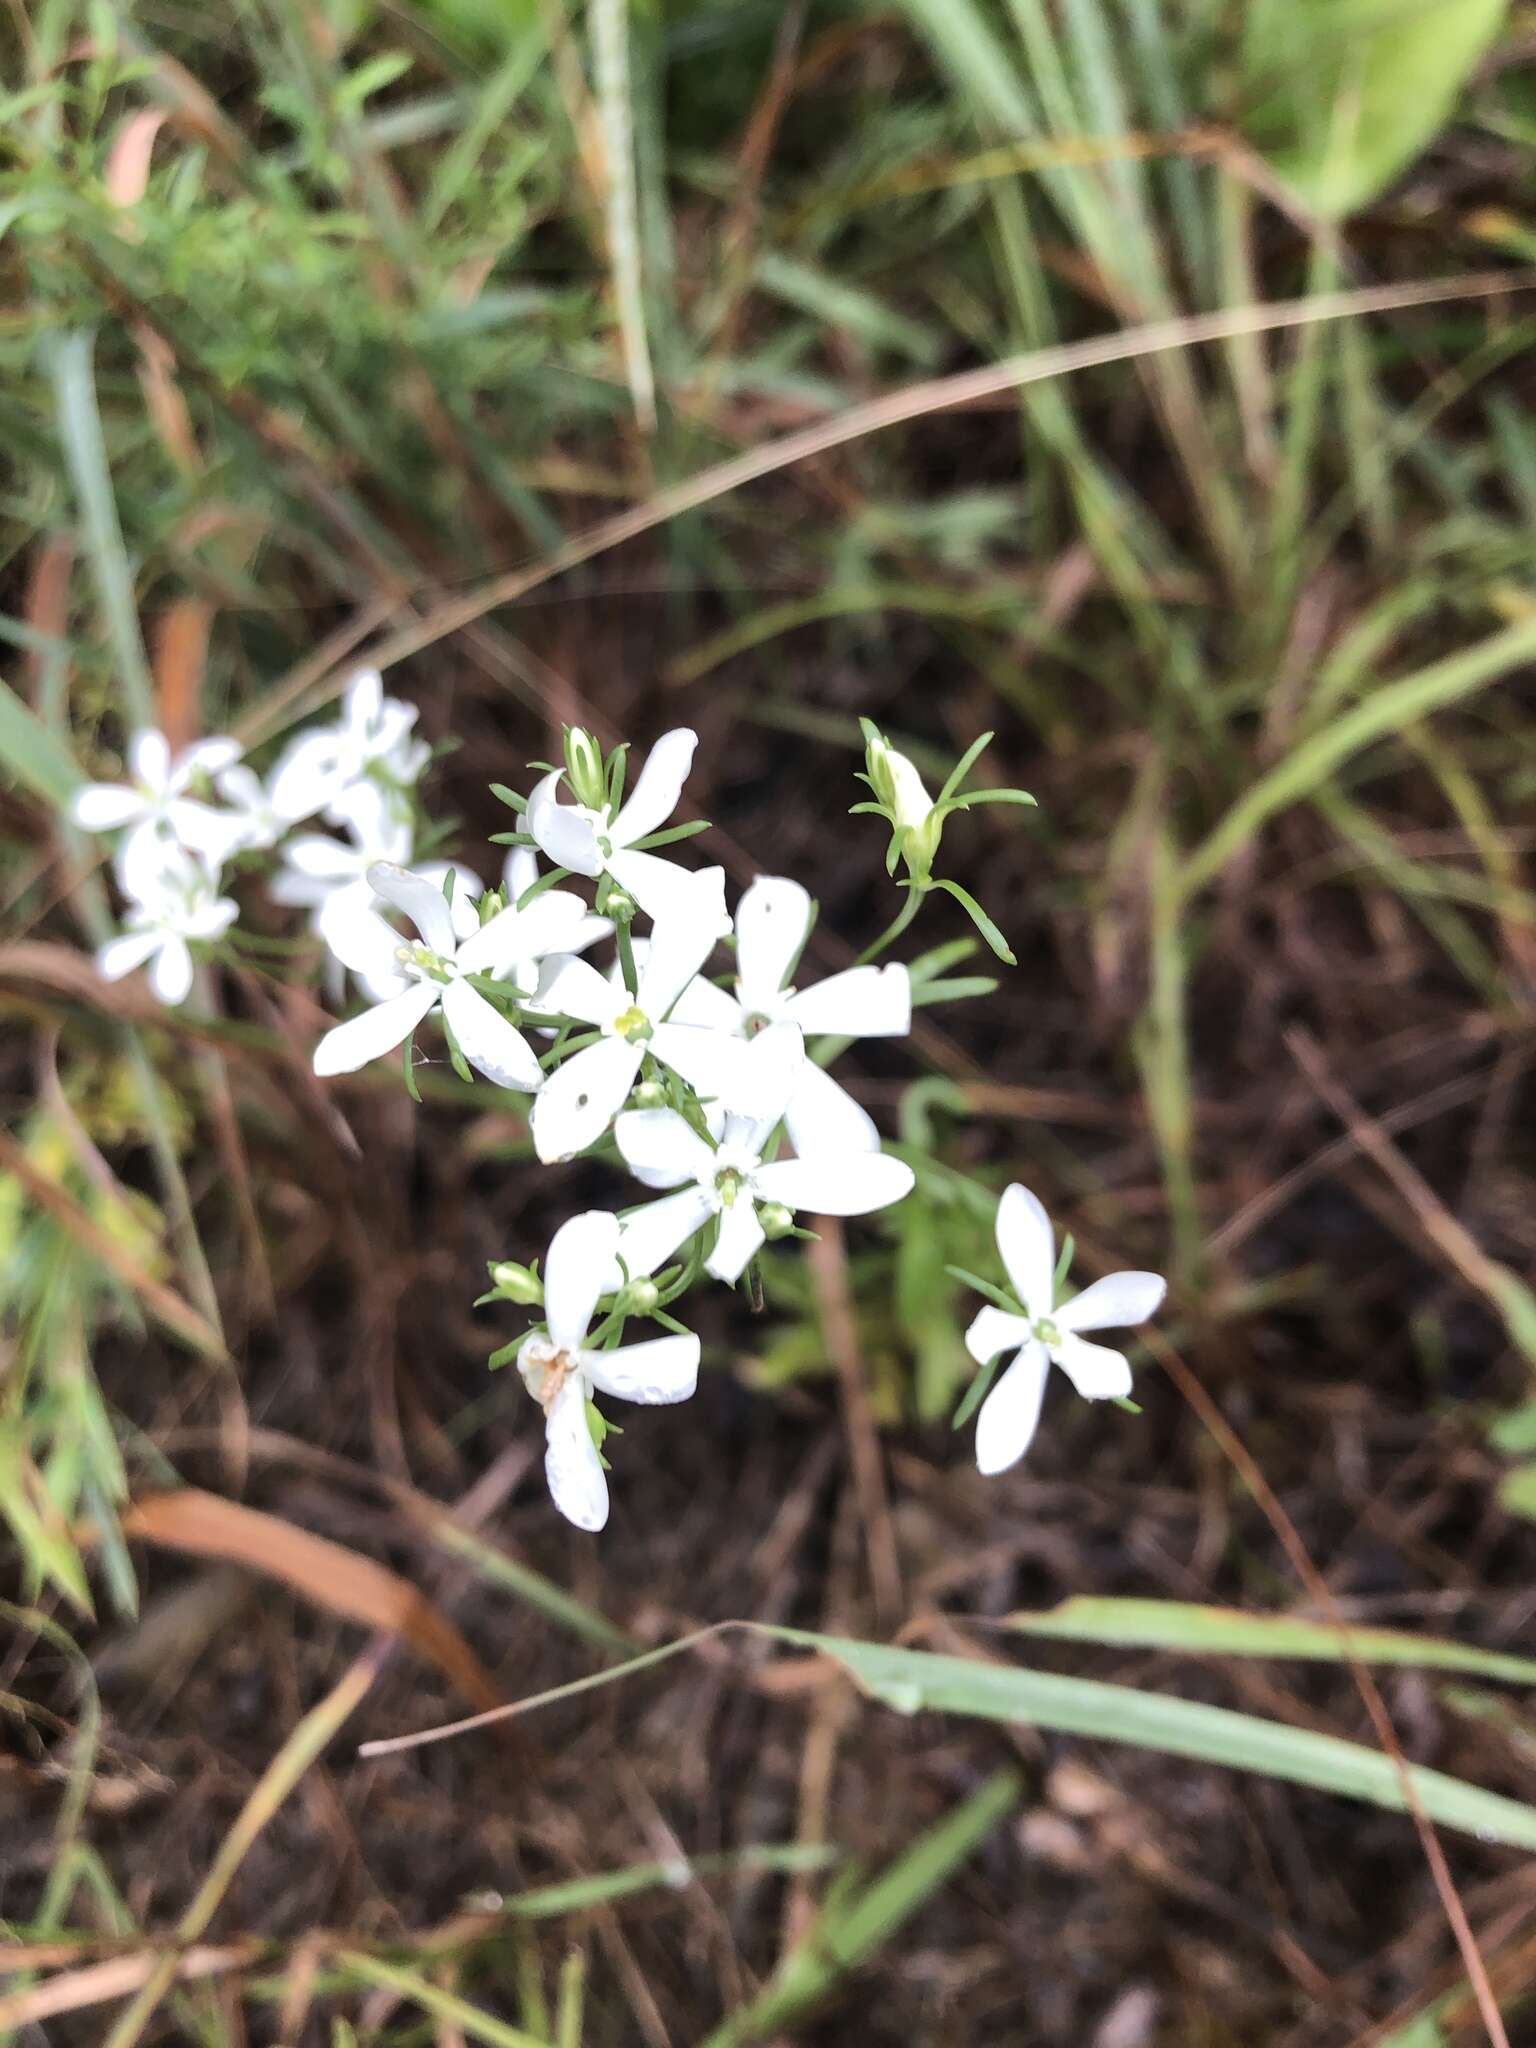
(896, 927)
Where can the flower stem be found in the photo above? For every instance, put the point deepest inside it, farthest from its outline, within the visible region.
(895, 928)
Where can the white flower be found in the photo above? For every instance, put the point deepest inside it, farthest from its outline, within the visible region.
(154, 804)
(374, 732)
(317, 867)
(175, 898)
(253, 809)
(584, 1094)
(1046, 1335)
(772, 919)
(562, 1372)
(589, 841)
(730, 1179)
(415, 979)
(519, 873)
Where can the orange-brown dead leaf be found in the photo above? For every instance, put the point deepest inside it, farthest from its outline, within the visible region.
(129, 157)
(327, 1573)
(181, 652)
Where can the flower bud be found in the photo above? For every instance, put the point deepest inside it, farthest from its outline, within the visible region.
(777, 1221)
(492, 904)
(620, 906)
(640, 1296)
(584, 769)
(516, 1283)
(899, 790)
(649, 1095)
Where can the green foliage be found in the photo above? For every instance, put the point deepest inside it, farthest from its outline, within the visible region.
(1345, 93)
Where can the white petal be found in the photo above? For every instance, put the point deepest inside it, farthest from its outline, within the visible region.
(464, 894)
(663, 889)
(121, 955)
(661, 1148)
(1006, 1424)
(422, 901)
(581, 1098)
(993, 1330)
(149, 759)
(216, 835)
(740, 1239)
(327, 860)
(649, 1236)
(303, 780)
(682, 939)
(703, 1002)
(358, 936)
(771, 923)
(208, 757)
(490, 1042)
(821, 1116)
(654, 1373)
(708, 1062)
(170, 973)
(850, 1185)
(1098, 1373)
(576, 989)
(104, 806)
(565, 836)
(363, 698)
(547, 926)
(576, 1270)
(768, 1070)
(1028, 1249)
(149, 867)
(209, 917)
(657, 788)
(577, 1484)
(863, 1002)
(374, 1033)
(1114, 1303)
(519, 871)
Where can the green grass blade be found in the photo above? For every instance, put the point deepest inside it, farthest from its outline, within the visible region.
(1385, 711)
(850, 1929)
(1189, 1627)
(914, 1681)
(31, 753)
(80, 431)
(610, 68)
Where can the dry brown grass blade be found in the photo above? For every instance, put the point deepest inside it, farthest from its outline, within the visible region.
(95, 1983)
(163, 1303)
(327, 1573)
(896, 408)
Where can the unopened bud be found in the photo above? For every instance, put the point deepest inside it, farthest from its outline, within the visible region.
(649, 1095)
(640, 1296)
(777, 1221)
(584, 769)
(516, 1283)
(492, 904)
(620, 906)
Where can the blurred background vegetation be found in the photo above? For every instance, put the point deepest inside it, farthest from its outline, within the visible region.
(608, 362)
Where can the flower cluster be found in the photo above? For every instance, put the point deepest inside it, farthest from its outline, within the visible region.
(183, 820)
(706, 1078)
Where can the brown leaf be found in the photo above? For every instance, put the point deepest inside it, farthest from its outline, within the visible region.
(327, 1573)
(128, 159)
(181, 650)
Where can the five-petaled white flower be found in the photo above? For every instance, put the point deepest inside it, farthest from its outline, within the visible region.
(729, 1178)
(174, 897)
(253, 809)
(373, 732)
(583, 1095)
(590, 840)
(1046, 1335)
(414, 979)
(772, 920)
(562, 1372)
(154, 803)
